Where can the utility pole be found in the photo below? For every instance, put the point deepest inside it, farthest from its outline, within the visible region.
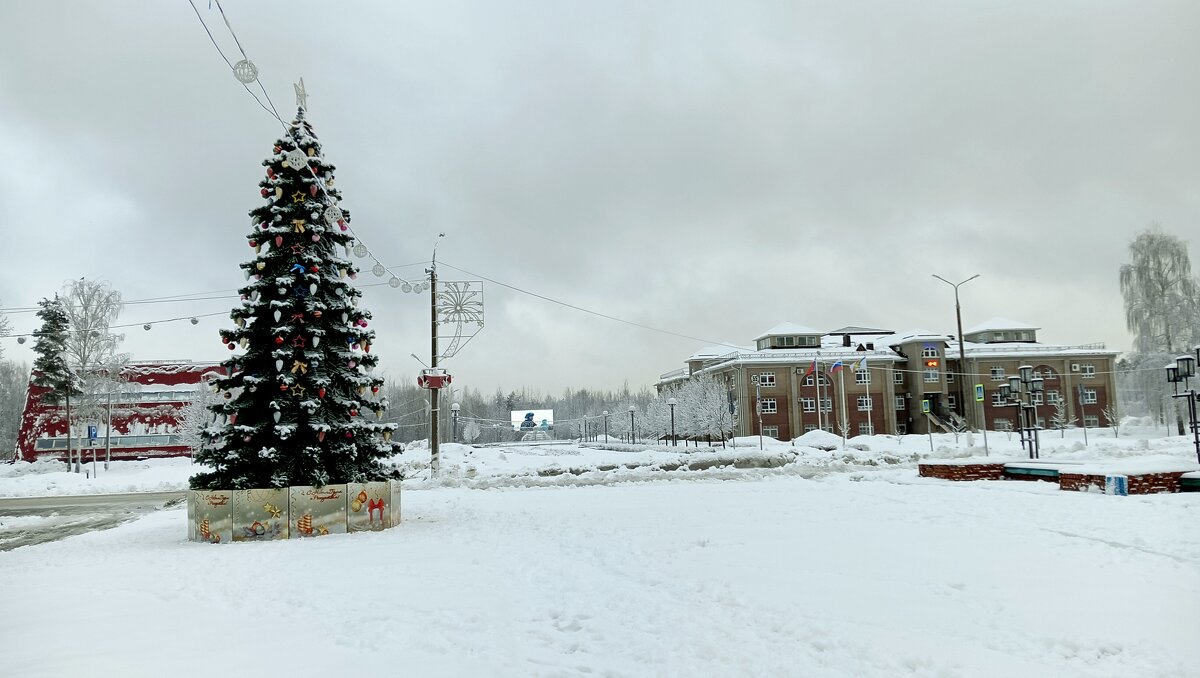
(434, 414)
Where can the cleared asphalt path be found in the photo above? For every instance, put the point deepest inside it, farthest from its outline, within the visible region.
(25, 521)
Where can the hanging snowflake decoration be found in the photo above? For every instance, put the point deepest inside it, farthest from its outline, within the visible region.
(333, 214)
(406, 287)
(458, 304)
(379, 269)
(360, 250)
(296, 159)
(245, 71)
(394, 282)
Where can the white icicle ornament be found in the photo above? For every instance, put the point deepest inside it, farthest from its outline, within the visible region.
(278, 415)
(278, 365)
(278, 315)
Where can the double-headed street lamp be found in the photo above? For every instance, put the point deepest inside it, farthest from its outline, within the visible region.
(1183, 370)
(671, 402)
(977, 410)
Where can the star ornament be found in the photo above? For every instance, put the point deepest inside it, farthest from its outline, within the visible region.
(297, 197)
(299, 391)
(298, 342)
(298, 249)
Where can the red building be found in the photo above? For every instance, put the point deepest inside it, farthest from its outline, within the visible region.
(146, 413)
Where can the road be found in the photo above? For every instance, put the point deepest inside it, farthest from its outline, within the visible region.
(25, 521)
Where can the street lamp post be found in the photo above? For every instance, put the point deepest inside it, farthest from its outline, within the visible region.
(671, 402)
(605, 427)
(1024, 389)
(1183, 370)
(454, 407)
(632, 437)
(976, 410)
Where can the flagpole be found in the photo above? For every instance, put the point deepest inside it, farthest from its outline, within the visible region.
(820, 403)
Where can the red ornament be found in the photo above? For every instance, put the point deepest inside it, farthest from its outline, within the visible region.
(313, 190)
(354, 413)
(366, 348)
(263, 225)
(316, 238)
(283, 387)
(278, 340)
(232, 346)
(265, 192)
(270, 171)
(314, 268)
(232, 419)
(278, 149)
(317, 313)
(349, 434)
(278, 240)
(320, 436)
(374, 389)
(253, 243)
(321, 392)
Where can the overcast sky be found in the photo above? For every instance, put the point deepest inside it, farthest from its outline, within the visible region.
(711, 169)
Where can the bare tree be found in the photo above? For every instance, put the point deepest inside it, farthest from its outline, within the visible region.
(957, 424)
(1112, 417)
(196, 416)
(1062, 420)
(14, 385)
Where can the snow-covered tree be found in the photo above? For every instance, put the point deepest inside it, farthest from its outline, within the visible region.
(471, 431)
(1162, 299)
(197, 415)
(294, 404)
(1113, 419)
(14, 385)
(91, 307)
(51, 368)
(5, 330)
(707, 406)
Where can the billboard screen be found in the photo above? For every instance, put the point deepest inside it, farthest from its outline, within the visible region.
(532, 420)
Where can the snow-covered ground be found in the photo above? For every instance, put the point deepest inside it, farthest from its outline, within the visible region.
(837, 563)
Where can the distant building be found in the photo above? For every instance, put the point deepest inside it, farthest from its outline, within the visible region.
(146, 413)
(880, 380)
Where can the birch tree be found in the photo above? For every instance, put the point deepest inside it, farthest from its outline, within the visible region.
(91, 348)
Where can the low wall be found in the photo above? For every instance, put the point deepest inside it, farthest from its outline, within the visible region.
(223, 516)
(1142, 483)
(963, 471)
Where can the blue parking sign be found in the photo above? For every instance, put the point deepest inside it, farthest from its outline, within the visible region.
(92, 432)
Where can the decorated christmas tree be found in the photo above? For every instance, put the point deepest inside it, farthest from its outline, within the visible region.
(295, 405)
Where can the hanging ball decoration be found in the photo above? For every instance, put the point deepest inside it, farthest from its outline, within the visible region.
(282, 291)
(341, 292)
(374, 389)
(146, 326)
(245, 71)
(296, 158)
(20, 340)
(333, 214)
(265, 192)
(195, 321)
(406, 287)
(312, 190)
(360, 250)
(394, 282)
(260, 265)
(253, 243)
(231, 346)
(278, 341)
(379, 269)
(316, 238)
(311, 151)
(321, 392)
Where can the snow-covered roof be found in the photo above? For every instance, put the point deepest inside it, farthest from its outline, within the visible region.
(1016, 349)
(785, 329)
(916, 335)
(1000, 324)
(855, 329)
(718, 350)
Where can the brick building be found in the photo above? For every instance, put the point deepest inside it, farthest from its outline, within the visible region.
(878, 381)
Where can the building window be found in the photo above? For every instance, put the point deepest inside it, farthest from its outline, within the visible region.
(949, 377)
(864, 403)
(810, 427)
(767, 406)
(897, 377)
(951, 401)
(808, 404)
(827, 405)
(771, 431)
(862, 377)
(900, 402)
(932, 376)
(901, 429)
(1002, 424)
(785, 341)
(808, 381)
(1088, 370)
(866, 428)
(1041, 423)
(1091, 421)
(1089, 396)
(1037, 397)
(765, 379)
(929, 352)
(1052, 397)
(997, 373)
(997, 399)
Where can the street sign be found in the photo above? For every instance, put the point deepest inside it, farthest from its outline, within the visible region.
(978, 393)
(925, 407)
(92, 432)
